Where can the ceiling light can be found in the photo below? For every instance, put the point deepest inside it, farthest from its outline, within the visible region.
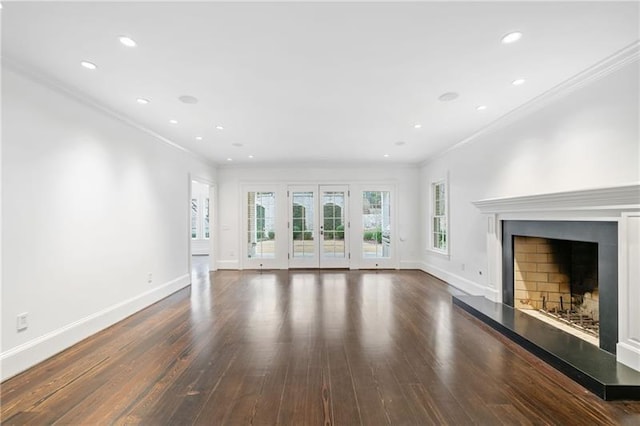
(88, 65)
(511, 37)
(127, 41)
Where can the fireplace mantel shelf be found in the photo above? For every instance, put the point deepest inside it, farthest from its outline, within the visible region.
(618, 198)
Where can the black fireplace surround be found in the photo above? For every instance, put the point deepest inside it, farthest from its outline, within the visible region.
(605, 234)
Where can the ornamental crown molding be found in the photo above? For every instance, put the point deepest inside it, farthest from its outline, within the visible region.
(617, 60)
(625, 197)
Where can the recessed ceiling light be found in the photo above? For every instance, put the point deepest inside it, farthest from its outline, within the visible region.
(88, 65)
(142, 101)
(449, 96)
(511, 37)
(250, 156)
(173, 121)
(237, 144)
(188, 99)
(481, 107)
(198, 138)
(518, 82)
(386, 155)
(219, 127)
(229, 159)
(127, 41)
(417, 126)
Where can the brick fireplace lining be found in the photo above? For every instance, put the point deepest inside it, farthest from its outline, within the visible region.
(605, 234)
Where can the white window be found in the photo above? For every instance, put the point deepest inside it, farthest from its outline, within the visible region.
(200, 229)
(205, 219)
(439, 215)
(261, 235)
(194, 218)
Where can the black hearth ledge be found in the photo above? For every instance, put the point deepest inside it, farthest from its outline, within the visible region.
(588, 365)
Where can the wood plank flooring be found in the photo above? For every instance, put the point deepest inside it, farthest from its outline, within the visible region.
(303, 348)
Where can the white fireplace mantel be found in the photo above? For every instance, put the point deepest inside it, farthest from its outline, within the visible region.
(609, 200)
(620, 204)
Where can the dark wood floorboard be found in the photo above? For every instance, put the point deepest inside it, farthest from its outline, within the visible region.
(303, 348)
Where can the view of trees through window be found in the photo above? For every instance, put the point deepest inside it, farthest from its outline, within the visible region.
(261, 209)
(439, 218)
(376, 224)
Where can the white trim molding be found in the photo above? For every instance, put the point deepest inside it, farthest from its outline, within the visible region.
(54, 84)
(609, 199)
(26, 355)
(619, 204)
(456, 281)
(627, 55)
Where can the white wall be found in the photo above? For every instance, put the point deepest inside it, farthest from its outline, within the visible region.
(230, 180)
(587, 138)
(91, 206)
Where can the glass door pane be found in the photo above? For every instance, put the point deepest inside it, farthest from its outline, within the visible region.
(303, 232)
(334, 227)
(376, 224)
(261, 225)
(302, 229)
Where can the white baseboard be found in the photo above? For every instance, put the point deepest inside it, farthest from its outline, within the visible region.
(492, 294)
(228, 264)
(457, 281)
(26, 355)
(410, 264)
(628, 354)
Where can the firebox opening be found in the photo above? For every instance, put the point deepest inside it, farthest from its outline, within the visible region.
(559, 279)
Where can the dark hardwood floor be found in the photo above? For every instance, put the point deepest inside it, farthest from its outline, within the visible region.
(303, 348)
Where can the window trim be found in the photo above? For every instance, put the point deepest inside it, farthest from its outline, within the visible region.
(432, 215)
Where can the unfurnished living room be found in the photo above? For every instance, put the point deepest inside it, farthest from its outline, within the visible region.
(319, 213)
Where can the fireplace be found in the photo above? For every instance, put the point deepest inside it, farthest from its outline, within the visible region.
(566, 271)
(557, 280)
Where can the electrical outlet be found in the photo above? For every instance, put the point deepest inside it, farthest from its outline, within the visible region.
(462, 266)
(149, 277)
(22, 323)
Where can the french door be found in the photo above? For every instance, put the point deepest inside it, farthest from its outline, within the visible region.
(318, 226)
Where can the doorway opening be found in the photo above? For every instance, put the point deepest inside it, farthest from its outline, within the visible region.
(200, 226)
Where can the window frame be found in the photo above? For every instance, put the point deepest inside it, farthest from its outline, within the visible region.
(433, 216)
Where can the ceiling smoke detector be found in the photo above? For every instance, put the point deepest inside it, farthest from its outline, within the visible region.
(449, 96)
(188, 99)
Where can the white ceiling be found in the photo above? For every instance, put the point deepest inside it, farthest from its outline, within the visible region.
(314, 82)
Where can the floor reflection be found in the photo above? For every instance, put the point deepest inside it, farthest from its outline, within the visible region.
(303, 303)
(334, 301)
(376, 312)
